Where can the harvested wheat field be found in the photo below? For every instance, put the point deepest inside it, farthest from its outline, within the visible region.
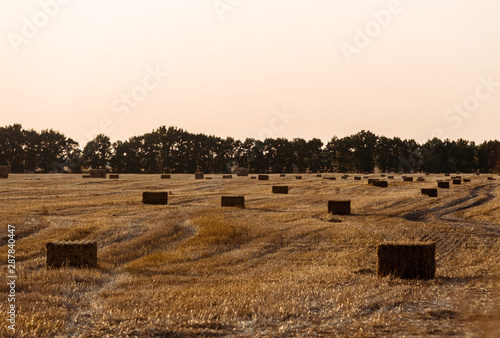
(281, 266)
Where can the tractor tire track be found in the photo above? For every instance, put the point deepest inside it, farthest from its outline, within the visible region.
(478, 237)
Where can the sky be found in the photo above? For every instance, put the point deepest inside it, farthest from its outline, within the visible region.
(252, 68)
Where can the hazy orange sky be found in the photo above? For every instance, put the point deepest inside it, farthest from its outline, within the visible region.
(252, 68)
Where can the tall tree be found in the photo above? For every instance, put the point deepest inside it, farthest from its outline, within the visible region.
(12, 140)
(97, 152)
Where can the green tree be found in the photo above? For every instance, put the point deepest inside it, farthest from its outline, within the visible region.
(97, 152)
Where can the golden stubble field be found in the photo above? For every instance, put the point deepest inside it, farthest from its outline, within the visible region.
(282, 266)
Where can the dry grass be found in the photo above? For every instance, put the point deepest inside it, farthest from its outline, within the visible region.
(281, 267)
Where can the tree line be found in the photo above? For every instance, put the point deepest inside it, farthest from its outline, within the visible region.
(174, 150)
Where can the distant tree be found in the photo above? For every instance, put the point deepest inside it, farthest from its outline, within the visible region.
(341, 154)
(387, 153)
(410, 156)
(465, 155)
(243, 153)
(32, 150)
(52, 150)
(364, 144)
(315, 160)
(97, 152)
(488, 155)
(12, 140)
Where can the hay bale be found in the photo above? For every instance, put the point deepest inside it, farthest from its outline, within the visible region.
(4, 171)
(381, 184)
(490, 178)
(263, 177)
(114, 176)
(366, 176)
(339, 207)
(98, 173)
(329, 178)
(208, 178)
(407, 260)
(232, 201)
(298, 177)
(382, 175)
(446, 174)
(226, 177)
(155, 197)
(390, 177)
(199, 175)
(165, 177)
(253, 177)
(457, 182)
(420, 179)
(427, 174)
(444, 185)
(242, 172)
(357, 178)
(371, 180)
(407, 179)
(466, 180)
(318, 175)
(86, 176)
(430, 192)
(73, 254)
(282, 175)
(280, 189)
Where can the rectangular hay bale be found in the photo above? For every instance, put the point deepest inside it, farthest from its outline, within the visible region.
(225, 177)
(444, 185)
(458, 182)
(232, 201)
(199, 175)
(381, 184)
(280, 189)
(155, 197)
(242, 172)
(72, 254)
(114, 176)
(298, 177)
(407, 260)
(98, 173)
(263, 177)
(165, 177)
(339, 207)
(430, 192)
(4, 171)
